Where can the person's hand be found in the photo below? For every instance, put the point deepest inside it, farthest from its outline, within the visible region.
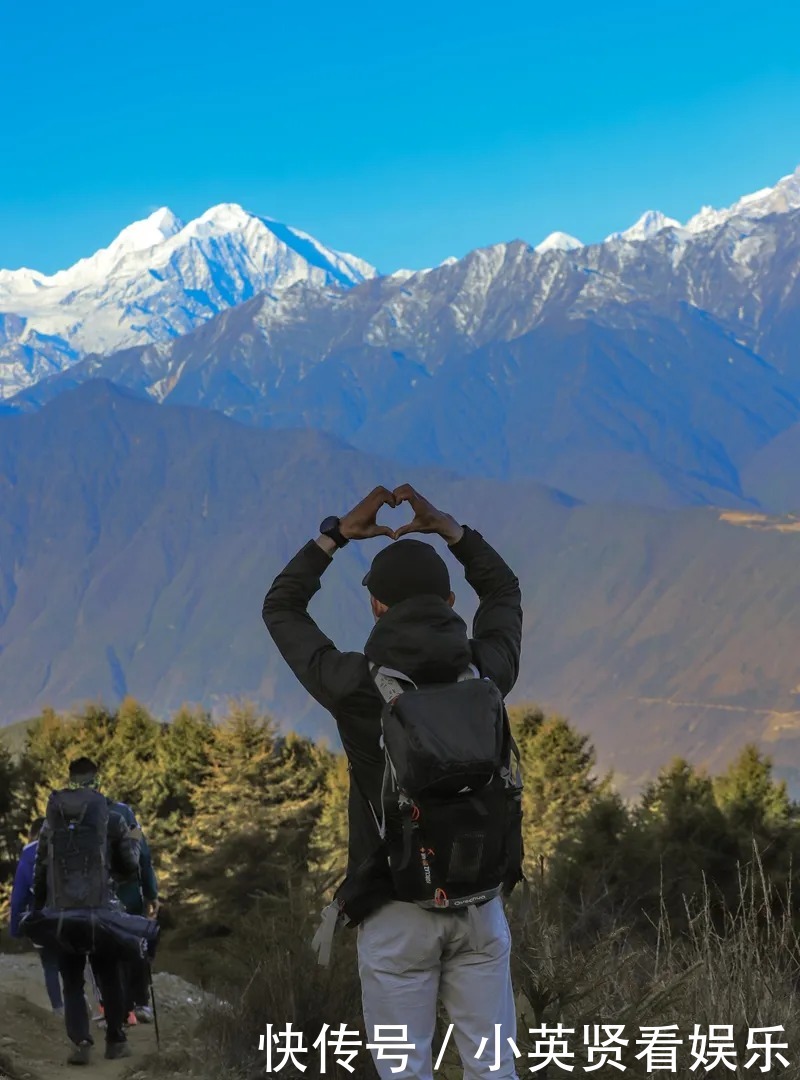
(153, 907)
(427, 519)
(360, 523)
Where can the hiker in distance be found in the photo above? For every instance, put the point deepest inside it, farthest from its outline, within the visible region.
(434, 804)
(83, 842)
(21, 903)
(138, 896)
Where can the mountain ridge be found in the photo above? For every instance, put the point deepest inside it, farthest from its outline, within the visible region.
(158, 279)
(652, 370)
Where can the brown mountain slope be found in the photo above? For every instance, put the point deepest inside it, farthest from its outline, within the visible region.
(137, 541)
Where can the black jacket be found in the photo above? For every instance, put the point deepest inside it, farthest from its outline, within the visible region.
(123, 855)
(422, 637)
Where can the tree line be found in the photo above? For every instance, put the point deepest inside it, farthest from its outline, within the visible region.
(240, 814)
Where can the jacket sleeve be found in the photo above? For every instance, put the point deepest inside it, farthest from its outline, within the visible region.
(124, 849)
(497, 627)
(21, 894)
(40, 868)
(326, 673)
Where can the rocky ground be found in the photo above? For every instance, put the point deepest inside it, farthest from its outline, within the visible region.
(34, 1046)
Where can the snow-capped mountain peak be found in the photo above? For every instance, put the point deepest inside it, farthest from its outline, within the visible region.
(223, 218)
(559, 241)
(20, 281)
(226, 215)
(140, 236)
(648, 225)
(144, 234)
(780, 199)
(159, 226)
(161, 278)
(158, 279)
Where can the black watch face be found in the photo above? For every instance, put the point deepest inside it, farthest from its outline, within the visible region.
(328, 524)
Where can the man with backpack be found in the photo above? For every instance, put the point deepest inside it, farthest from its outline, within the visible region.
(138, 896)
(434, 806)
(22, 902)
(83, 842)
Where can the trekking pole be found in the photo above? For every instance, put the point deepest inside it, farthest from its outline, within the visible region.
(98, 1000)
(153, 999)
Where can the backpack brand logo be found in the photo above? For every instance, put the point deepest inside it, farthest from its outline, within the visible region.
(425, 855)
(468, 900)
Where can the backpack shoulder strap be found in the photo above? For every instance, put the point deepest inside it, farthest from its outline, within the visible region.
(469, 673)
(390, 683)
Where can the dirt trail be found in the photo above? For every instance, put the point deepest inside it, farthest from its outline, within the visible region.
(33, 1042)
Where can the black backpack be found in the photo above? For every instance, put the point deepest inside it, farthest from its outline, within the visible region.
(77, 833)
(451, 817)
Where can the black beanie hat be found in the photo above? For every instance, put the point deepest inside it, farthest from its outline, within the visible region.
(407, 568)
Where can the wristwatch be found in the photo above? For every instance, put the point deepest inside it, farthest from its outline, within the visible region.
(330, 528)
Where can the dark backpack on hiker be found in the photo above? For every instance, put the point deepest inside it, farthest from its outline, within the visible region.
(77, 871)
(450, 820)
(82, 914)
(451, 813)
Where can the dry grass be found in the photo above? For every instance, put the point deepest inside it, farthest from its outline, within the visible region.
(742, 970)
(267, 974)
(765, 522)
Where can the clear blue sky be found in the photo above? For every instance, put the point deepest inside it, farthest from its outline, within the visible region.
(402, 132)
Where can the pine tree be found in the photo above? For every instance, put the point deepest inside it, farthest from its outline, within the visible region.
(254, 813)
(184, 758)
(591, 873)
(94, 733)
(53, 741)
(749, 796)
(560, 786)
(684, 844)
(50, 744)
(180, 770)
(328, 845)
(15, 818)
(130, 771)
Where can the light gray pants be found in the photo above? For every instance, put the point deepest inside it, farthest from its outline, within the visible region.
(408, 957)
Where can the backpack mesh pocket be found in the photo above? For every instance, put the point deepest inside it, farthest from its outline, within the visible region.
(466, 857)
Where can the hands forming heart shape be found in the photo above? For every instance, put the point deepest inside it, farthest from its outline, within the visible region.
(361, 522)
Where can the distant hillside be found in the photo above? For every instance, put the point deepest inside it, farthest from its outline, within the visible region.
(137, 541)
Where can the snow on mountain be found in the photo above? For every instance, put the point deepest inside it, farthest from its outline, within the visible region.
(162, 278)
(137, 240)
(649, 224)
(780, 199)
(559, 241)
(404, 274)
(20, 281)
(650, 370)
(157, 280)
